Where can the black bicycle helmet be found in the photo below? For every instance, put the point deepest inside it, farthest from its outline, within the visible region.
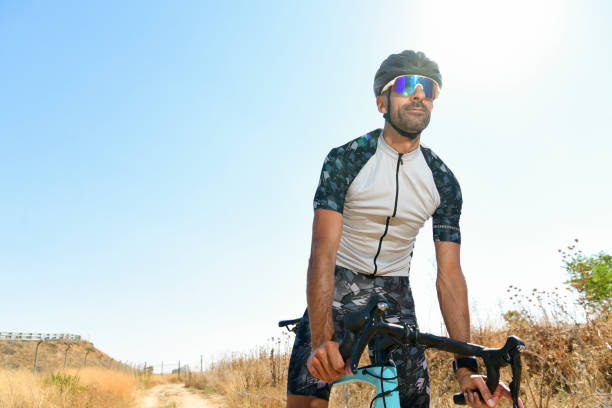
(405, 63)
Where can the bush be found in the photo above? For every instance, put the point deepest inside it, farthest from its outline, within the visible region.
(65, 383)
(591, 277)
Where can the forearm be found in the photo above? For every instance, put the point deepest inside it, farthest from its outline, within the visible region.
(320, 295)
(452, 296)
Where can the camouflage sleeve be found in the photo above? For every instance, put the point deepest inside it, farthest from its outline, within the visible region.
(446, 217)
(332, 184)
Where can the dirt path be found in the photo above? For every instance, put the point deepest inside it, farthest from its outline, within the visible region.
(177, 396)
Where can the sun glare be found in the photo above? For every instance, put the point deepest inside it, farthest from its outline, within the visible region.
(488, 43)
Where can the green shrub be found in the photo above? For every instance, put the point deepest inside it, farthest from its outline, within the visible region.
(66, 383)
(591, 277)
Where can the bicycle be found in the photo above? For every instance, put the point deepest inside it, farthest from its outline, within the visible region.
(367, 324)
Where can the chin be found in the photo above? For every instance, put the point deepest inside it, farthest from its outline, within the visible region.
(414, 128)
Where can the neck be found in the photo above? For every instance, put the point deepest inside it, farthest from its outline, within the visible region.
(399, 143)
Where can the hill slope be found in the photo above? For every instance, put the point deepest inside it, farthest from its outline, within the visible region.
(20, 354)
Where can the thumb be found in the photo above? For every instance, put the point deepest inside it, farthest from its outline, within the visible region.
(347, 367)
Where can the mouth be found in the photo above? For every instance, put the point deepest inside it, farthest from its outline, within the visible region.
(416, 110)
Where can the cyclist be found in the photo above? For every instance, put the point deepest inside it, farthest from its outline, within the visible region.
(374, 194)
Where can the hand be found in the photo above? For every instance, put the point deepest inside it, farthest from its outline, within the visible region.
(326, 363)
(469, 382)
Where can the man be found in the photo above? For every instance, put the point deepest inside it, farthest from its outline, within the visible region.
(374, 194)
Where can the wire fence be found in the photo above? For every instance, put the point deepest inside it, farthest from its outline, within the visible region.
(83, 356)
(73, 357)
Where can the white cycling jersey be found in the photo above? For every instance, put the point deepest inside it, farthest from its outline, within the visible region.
(385, 197)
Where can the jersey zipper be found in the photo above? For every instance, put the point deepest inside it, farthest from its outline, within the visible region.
(399, 162)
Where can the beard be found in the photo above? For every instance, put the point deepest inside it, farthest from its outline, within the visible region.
(410, 121)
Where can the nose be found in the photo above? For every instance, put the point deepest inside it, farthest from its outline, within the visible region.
(418, 93)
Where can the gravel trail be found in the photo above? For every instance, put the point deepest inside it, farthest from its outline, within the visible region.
(177, 396)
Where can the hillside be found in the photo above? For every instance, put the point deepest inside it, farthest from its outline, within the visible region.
(20, 354)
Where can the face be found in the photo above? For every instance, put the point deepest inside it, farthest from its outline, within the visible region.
(410, 113)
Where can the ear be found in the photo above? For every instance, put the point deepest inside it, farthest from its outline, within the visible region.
(381, 103)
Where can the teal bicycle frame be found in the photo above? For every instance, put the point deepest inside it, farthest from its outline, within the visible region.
(384, 378)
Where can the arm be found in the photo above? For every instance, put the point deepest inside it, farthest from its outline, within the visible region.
(326, 232)
(452, 291)
(452, 296)
(325, 361)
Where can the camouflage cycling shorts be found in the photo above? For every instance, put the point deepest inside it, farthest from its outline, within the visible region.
(351, 292)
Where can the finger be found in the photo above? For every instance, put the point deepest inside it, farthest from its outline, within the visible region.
(477, 401)
(309, 366)
(484, 391)
(321, 355)
(347, 367)
(318, 363)
(335, 358)
(502, 391)
(469, 398)
(317, 371)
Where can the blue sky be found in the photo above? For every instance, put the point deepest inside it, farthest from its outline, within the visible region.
(159, 160)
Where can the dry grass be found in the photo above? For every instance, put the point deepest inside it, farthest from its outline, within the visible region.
(567, 364)
(255, 379)
(90, 387)
(118, 384)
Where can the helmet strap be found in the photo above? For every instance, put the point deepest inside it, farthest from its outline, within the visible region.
(387, 116)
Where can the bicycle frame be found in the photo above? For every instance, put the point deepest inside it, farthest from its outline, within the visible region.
(367, 324)
(384, 378)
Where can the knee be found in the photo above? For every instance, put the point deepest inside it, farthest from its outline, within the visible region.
(301, 401)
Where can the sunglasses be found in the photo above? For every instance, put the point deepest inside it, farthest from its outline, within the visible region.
(406, 85)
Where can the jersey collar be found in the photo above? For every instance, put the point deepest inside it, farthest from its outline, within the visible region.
(384, 146)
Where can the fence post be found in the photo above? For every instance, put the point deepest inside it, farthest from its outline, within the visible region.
(201, 359)
(36, 354)
(66, 354)
(162, 369)
(179, 369)
(86, 354)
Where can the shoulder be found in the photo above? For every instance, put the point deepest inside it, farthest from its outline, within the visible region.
(345, 161)
(340, 168)
(357, 149)
(446, 182)
(442, 174)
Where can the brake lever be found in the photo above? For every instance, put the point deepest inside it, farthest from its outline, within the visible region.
(362, 342)
(515, 384)
(357, 330)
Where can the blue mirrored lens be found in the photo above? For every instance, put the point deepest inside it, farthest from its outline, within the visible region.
(406, 85)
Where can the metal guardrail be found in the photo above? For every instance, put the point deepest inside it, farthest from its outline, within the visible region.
(39, 336)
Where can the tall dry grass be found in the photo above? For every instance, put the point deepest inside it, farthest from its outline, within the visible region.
(257, 378)
(568, 363)
(90, 387)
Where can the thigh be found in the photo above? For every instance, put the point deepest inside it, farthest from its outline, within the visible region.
(301, 401)
(413, 376)
(411, 364)
(299, 380)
